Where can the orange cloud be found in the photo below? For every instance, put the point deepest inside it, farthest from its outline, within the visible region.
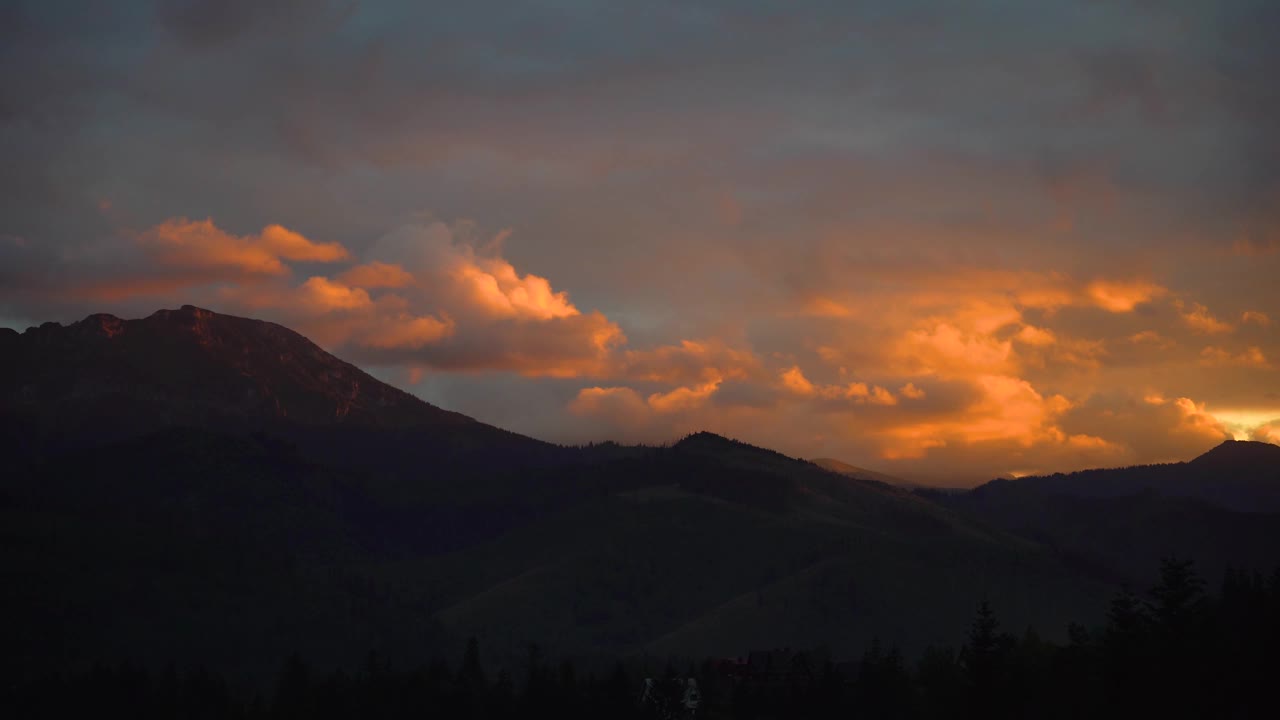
(373, 275)
(1121, 297)
(1252, 357)
(1196, 420)
(1255, 317)
(1008, 409)
(683, 398)
(1199, 319)
(687, 362)
(405, 332)
(949, 350)
(623, 405)
(290, 245)
(875, 395)
(179, 242)
(494, 284)
(795, 381)
(825, 307)
(1269, 432)
(1038, 337)
(1150, 337)
(1192, 424)
(911, 392)
(620, 405)
(326, 295)
(1011, 360)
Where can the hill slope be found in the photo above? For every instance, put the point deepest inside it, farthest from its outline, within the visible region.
(196, 487)
(1219, 509)
(237, 550)
(1238, 475)
(853, 471)
(105, 379)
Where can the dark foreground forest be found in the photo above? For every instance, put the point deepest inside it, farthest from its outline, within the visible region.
(1176, 650)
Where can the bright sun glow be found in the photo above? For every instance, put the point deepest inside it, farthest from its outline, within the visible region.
(1242, 423)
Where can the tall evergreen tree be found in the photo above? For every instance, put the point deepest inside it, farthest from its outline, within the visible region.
(982, 659)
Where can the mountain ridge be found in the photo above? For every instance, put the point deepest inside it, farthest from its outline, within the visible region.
(844, 468)
(165, 484)
(1242, 475)
(105, 378)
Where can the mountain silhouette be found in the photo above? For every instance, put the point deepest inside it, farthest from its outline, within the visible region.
(197, 486)
(105, 379)
(1238, 475)
(1219, 509)
(193, 365)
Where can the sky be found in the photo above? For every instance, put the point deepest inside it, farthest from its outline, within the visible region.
(943, 240)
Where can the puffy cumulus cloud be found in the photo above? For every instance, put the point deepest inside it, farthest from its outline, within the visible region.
(426, 296)
(794, 381)
(201, 245)
(970, 322)
(1029, 350)
(449, 269)
(1149, 428)
(1007, 409)
(433, 301)
(964, 351)
(949, 350)
(497, 287)
(325, 294)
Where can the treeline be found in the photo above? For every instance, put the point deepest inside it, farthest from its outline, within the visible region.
(1175, 651)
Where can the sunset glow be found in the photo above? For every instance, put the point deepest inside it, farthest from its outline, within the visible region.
(946, 271)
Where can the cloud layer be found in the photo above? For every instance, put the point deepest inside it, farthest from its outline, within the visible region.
(876, 231)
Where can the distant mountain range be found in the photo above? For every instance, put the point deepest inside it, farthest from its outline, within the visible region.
(198, 486)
